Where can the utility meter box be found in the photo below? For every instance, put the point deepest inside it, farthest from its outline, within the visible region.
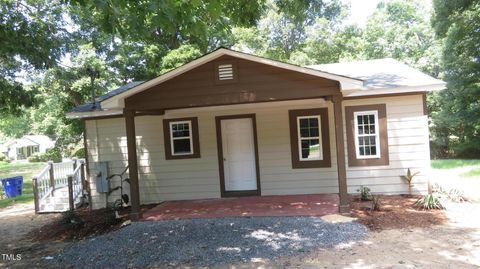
(101, 174)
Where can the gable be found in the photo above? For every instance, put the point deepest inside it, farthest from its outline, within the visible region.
(246, 82)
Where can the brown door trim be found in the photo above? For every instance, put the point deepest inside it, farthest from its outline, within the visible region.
(224, 193)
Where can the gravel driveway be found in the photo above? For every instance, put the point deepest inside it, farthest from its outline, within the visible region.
(207, 242)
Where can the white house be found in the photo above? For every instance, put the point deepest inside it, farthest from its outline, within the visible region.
(232, 124)
(24, 147)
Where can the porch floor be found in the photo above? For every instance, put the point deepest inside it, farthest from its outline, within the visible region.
(252, 206)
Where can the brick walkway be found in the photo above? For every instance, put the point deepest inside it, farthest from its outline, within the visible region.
(257, 206)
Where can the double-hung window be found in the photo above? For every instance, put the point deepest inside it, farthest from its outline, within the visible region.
(309, 139)
(181, 138)
(367, 135)
(367, 142)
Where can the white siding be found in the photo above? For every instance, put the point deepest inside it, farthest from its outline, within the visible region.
(199, 178)
(408, 148)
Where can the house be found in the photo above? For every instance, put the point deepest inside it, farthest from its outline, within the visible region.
(233, 124)
(24, 147)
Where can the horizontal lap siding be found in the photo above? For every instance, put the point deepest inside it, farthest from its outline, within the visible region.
(408, 148)
(199, 178)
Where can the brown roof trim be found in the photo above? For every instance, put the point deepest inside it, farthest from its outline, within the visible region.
(195, 139)
(221, 169)
(382, 95)
(296, 162)
(382, 123)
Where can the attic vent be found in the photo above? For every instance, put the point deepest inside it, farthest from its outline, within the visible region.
(225, 72)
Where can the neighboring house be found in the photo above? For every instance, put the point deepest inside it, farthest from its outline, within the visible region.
(233, 124)
(22, 148)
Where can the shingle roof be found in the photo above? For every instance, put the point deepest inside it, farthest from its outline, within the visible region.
(380, 74)
(90, 107)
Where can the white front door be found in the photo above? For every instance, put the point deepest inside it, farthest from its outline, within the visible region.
(238, 154)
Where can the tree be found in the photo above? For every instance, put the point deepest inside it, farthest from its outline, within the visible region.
(33, 37)
(457, 23)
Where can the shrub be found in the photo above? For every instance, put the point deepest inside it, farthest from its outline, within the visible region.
(111, 213)
(365, 193)
(409, 178)
(79, 153)
(53, 154)
(72, 219)
(428, 202)
(3, 158)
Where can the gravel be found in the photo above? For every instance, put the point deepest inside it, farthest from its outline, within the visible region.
(207, 242)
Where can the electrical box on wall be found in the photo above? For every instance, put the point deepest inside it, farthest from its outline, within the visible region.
(101, 174)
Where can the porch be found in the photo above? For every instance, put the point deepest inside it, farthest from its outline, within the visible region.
(250, 206)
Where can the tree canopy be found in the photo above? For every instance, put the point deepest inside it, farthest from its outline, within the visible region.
(50, 49)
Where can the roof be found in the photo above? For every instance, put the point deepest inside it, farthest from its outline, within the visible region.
(385, 73)
(373, 77)
(32, 140)
(89, 106)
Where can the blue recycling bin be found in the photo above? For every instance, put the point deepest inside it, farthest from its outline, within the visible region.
(13, 186)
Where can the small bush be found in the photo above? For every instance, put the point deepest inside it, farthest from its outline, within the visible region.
(72, 219)
(428, 202)
(79, 153)
(365, 193)
(53, 154)
(3, 158)
(409, 179)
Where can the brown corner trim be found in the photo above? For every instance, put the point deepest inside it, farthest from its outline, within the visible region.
(425, 106)
(224, 193)
(350, 127)
(195, 139)
(325, 133)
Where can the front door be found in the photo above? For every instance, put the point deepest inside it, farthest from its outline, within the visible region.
(238, 152)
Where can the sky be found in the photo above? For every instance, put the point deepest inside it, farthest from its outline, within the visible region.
(360, 10)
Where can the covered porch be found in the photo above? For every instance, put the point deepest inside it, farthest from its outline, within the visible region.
(251, 206)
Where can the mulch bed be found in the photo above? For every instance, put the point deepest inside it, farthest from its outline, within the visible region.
(94, 223)
(396, 212)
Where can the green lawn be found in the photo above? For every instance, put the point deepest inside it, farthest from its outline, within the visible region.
(27, 170)
(472, 167)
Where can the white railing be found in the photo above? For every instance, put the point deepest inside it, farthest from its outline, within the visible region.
(75, 185)
(59, 175)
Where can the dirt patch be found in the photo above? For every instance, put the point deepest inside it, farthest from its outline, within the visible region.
(86, 223)
(397, 212)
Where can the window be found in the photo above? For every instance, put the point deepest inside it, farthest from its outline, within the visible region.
(309, 138)
(181, 138)
(367, 136)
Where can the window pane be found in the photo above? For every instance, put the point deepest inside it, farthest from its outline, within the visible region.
(360, 130)
(361, 141)
(180, 130)
(313, 122)
(310, 148)
(373, 150)
(362, 151)
(360, 120)
(372, 129)
(304, 132)
(371, 119)
(314, 132)
(303, 123)
(181, 146)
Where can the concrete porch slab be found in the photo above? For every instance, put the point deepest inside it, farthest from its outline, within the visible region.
(252, 206)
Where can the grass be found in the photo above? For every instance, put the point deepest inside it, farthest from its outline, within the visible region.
(451, 164)
(472, 167)
(27, 170)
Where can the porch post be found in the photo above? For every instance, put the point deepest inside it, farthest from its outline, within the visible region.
(132, 163)
(340, 142)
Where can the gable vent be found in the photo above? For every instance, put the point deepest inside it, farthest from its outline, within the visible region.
(225, 72)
